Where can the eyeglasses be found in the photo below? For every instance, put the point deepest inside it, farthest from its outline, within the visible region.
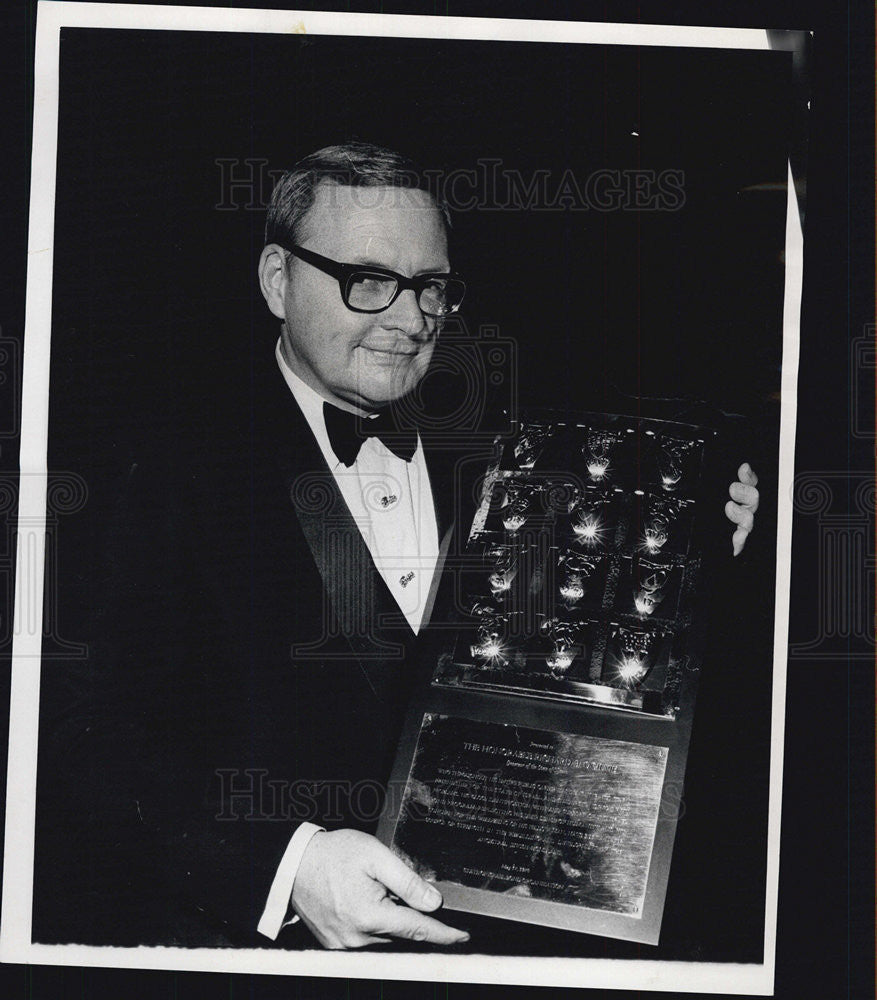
(369, 289)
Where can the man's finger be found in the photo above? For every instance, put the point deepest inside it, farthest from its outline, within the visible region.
(337, 937)
(402, 922)
(746, 475)
(741, 516)
(746, 495)
(401, 880)
(350, 940)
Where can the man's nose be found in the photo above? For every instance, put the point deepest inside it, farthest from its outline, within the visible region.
(405, 315)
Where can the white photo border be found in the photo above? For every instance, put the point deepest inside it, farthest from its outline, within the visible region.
(15, 931)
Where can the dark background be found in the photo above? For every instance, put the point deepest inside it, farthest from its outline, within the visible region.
(145, 223)
(156, 250)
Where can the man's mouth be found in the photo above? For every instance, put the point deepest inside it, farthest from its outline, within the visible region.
(394, 352)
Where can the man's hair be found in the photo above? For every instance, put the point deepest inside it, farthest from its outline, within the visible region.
(353, 164)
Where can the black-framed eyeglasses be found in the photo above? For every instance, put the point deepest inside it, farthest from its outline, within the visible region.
(366, 288)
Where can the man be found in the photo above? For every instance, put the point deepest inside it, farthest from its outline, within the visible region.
(361, 362)
(358, 339)
(287, 562)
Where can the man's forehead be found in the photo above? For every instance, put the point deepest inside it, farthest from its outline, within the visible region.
(376, 219)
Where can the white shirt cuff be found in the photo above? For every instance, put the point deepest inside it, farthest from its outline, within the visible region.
(280, 893)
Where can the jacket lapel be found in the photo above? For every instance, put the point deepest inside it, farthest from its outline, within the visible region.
(360, 607)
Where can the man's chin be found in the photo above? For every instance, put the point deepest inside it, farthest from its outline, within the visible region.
(376, 397)
(380, 389)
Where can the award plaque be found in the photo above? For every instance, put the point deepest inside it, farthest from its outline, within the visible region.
(540, 769)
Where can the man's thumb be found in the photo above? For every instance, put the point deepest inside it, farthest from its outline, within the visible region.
(405, 883)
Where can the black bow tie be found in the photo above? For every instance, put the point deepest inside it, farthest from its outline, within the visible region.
(347, 432)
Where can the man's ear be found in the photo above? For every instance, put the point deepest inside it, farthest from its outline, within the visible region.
(272, 279)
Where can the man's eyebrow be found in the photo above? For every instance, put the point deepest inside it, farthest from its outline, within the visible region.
(367, 261)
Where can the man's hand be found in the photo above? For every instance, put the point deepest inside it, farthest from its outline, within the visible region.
(342, 892)
(742, 506)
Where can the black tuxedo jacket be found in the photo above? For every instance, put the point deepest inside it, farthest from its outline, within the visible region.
(250, 672)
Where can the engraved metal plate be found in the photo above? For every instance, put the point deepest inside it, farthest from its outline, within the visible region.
(532, 814)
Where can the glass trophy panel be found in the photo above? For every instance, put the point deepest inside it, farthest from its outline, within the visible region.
(581, 567)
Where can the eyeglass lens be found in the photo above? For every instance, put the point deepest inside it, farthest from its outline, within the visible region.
(374, 292)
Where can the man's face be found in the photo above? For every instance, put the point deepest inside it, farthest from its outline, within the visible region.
(363, 359)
